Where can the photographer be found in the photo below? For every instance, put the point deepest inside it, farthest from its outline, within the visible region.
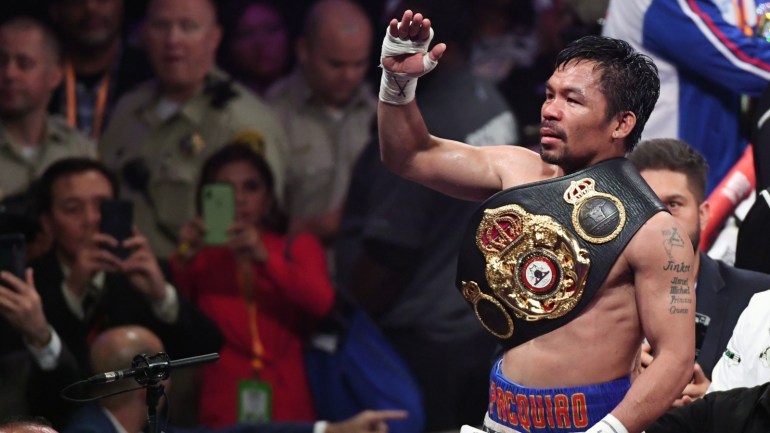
(85, 283)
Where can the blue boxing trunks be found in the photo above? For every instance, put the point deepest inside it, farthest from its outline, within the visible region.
(517, 409)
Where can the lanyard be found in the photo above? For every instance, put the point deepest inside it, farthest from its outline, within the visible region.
(72, 103)
(740, 18)
(246, 281)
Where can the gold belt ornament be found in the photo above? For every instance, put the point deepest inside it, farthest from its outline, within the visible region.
(533, 265)
(597, 217)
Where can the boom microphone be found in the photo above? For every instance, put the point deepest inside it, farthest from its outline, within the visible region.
(156, 367)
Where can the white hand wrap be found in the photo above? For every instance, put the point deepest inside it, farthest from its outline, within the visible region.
(608, 424)
(398, 88)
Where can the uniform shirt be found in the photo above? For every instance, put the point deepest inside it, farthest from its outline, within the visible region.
(707, 57)
(157, 148)
(746, 361)
(17, 172)
(323, 145)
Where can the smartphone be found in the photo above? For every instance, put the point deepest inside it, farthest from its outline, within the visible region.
(117, 221)
(218, 208)
(13, 254)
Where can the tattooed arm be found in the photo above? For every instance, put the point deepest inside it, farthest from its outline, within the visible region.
(661, 257)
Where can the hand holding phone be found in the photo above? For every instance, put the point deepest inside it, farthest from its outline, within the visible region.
(218, 208)
(13, 254)
(24, 311)
(117, 221)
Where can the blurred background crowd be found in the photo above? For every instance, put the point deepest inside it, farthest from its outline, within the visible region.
(156, 101)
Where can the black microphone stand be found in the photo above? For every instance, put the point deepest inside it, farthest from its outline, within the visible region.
(154, 392)
(152, 370)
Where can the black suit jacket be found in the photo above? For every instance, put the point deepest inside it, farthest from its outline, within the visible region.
(26, 389)
(722, 293)
(739, 410)
(752, 250)
(192, 334)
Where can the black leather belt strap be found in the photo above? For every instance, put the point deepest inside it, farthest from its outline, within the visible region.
(623, 201)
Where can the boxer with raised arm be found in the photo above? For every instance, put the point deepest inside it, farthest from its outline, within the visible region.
(571, 260)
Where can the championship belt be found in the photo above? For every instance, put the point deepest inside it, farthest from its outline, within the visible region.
(534, 256)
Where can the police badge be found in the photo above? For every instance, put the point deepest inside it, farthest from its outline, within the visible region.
(191, 145)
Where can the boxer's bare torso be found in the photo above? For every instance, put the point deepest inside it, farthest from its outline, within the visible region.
(599, 345)
(603, 342)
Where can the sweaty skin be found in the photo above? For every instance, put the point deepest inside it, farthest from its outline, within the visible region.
(643, 294)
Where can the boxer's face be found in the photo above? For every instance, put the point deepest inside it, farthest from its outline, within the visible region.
(575, 131)
(675, 192)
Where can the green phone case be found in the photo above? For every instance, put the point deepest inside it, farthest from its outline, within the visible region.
(218, 206)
